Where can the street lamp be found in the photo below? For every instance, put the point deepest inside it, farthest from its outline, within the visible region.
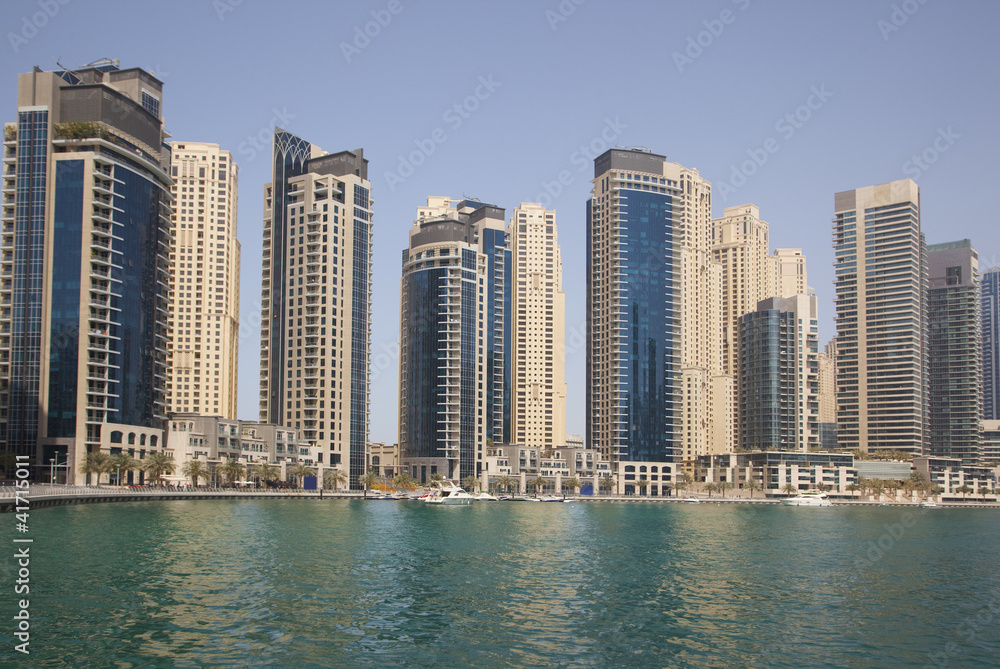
(52, 470)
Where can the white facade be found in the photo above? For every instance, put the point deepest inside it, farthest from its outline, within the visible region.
(789, 272)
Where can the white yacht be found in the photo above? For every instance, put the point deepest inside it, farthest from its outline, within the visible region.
(808, 499)
(447, 492)
(486, 497)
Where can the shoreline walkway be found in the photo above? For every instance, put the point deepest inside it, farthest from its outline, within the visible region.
(41, 495)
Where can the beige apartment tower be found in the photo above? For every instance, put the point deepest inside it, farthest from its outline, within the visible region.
(204, 281)
(789, 272)
(881, 270)
(538, 400)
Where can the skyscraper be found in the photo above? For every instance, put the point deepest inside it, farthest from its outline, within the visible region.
(955, 350)
(655, 388)
(740, 245)
(316, 299)
(790, 272)
(779, 386)
(84, 275)
(881, 289)
(205, 281)
(991, 343)
(454, 359)
(538, 336)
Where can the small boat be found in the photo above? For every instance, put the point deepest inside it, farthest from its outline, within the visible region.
(552, 498)
(807, 499)
(929, 504)
(486, 497)
(691, 500)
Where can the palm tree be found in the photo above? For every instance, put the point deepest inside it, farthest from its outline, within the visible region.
(97, 464)
(471, 481)
(266, 472)
(679, 486)
(506, 482)
(371, 478)
(642, 484)
(984, 491)
(123, 463)
(573, 484)
(195, 469)
(722, 487)
(538, 483)
(875, 487)
(790, 489)
(232, 471)
(158, 464)
(710, 487)
(437, 477)
(752, 485)
(852, 488)
(336, 477)
(404, 480)
(822, 487)
(607, 482)
(300, 471)
(965, 490)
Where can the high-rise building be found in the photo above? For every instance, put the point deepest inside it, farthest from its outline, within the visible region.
(538, 332)
(454, 358)
(990, 289)
(740, 245)
(316, 299)
(778, 392)
(826, 379)
(205, 281)
(881, 297)
(789, 272)
(84, 272)
(955, 350)
(655, 384)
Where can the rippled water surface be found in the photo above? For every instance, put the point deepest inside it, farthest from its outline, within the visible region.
(335, 583)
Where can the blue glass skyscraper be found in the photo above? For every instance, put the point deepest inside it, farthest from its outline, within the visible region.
(991, 343)
(86, 237)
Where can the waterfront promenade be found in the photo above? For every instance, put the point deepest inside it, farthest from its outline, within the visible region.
(42, 495)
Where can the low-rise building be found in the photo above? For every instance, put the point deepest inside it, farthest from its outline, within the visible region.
(949, 475)
(774, 470)
(383, 459)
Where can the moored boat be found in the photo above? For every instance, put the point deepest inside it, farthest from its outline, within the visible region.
(808, 499)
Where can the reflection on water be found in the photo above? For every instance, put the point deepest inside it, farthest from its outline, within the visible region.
(309, 583)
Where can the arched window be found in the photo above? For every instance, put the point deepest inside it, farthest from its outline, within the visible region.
(131, 437)
(116, 437)
(153, 441)
(142, 439)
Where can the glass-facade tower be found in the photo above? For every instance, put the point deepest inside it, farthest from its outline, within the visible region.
(633, 366)
(84, 287)
(990, 302)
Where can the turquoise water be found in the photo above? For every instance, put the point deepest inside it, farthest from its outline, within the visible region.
(336, 583)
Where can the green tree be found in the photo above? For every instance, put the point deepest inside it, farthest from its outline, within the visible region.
(965, 490)
(232, 471)
(471, 482)
(752, 486)
(404, 480)
(300, 471)
(642, 484)
(790, 489)
(194, 470)
(537, 483)
(722, 487)
(573, 484)
(852, 488)
(157, 464)
(710, 487)
(370, 478)
(265, 472)
(336, 477)
(506, 483)
(984, 491)
(607, 482)
(96, 464)
(122, 464)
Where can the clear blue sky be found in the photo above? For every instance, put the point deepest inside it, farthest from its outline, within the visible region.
(891, 82)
